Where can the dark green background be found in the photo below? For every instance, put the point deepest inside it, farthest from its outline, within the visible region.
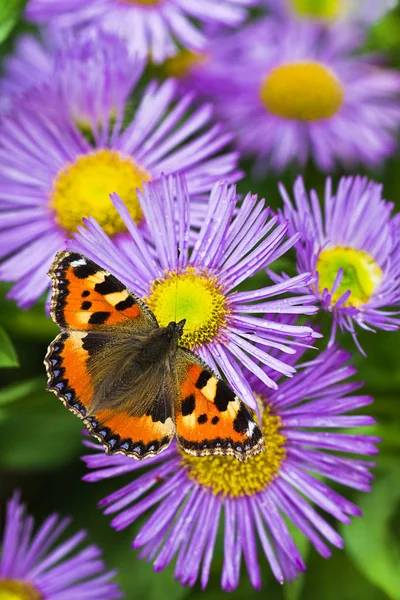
(40, 442)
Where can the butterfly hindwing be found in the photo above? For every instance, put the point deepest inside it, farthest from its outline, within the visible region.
(86, 297)
(137, 437)
(67, 372)
(210, 419)
(118, 430)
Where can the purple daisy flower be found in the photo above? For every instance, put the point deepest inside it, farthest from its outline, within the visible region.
(150, 27)
(353, 246)
(201, 286)
(332, 11)
(294, 91)
(61, 159)
(91, 71)
(32, 568)
(258, 497)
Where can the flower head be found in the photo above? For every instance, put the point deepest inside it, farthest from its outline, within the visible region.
(294, 91)
(150, 27)
(65, 148)
(352, 244)
(332, 11)
(189, 496)
(201, 285)
(91, 72)
(32, 567)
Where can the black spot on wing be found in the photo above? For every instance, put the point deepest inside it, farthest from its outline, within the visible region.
(86, 305)
(85, 271)
(93, 342)
(124, 304)
(99, 317)
(223, 395)
(242, 419)
(203, 379)
(202, 419)
(110, 285)
(85, 294)
(215, 420)
(188, 405)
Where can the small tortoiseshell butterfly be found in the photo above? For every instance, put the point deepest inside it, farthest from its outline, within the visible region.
(127, 378)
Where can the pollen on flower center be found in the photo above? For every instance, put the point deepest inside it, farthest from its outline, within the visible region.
(307, 91)
(182, 63)
(319, 9)
(227, 475)
(193, 296)
(17, 590)
(361, 274)
(83, 188)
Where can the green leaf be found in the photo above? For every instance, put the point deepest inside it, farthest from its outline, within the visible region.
(17, 391)
(8, 355)
(39, 432)
(370, 540)
(10, 11)
(337, 578)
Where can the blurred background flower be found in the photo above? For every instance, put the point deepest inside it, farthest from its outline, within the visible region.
(332, 11)
(33, 568)
(62, 158)
(294, 92)
(153, 28)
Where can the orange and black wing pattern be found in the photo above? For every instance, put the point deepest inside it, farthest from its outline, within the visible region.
(87, 298)
(209, 418)
(135, 436)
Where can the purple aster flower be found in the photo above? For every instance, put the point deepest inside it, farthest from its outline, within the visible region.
(91, 72)
(189, 497)
(33, 568)
(222, 324)
(150, 27)
(31, 63)
(294, 91)
(353, 246)
(332, 11)
(62, 158)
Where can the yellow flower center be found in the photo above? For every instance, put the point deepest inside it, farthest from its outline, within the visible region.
(182, 63)
(361, 274)
(17, 590)
(193, 296)
(227, 475)
(83, 188)
(307, 91)
(318, 9)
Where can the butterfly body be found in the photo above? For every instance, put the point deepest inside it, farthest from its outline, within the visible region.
(128, 379)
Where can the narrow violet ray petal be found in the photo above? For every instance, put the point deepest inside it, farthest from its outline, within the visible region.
(131, 492)
(266, 545)
(209, 551)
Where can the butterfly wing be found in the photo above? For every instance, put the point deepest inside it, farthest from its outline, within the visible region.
(87, 298)
(100, 317)
(209, 418)
(139, 437)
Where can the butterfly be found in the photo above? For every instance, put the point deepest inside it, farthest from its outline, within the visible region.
(128, 379)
